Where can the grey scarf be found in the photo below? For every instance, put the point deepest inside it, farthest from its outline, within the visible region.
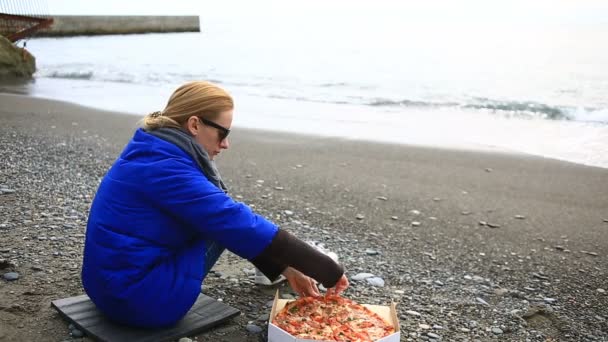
(185, 141)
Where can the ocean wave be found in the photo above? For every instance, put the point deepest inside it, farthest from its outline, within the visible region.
(409, 103)
(521, 107)
(590, 115)
(75, 75)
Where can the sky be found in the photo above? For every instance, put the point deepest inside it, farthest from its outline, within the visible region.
(522, 12)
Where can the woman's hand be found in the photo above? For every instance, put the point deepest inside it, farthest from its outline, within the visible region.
(340, 286)
(304, 285)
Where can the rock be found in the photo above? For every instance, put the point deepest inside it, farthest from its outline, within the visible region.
(279, 188)
(254, 329)
(540, 276)
(483, 223)
(413, 313)
(362, 276)
(589, 253)
(184, 339)
(415, 224)
(520, 217)
(433, 336)
(16, 62)
(371, 252)
(76, 333)
(601, 290)
(414, 212)
(10, 276)
(287, 296)
(549, 300)
(480, 300)
(375, 281)
(497, 331)
(288, 212)
(394, 218)
(382, 198)
(424, 326)
(465, 213)
(487, 169)
(560, 248)
(465, 330)
(360, 217)
(264, 317)
(493, 225)
(400, 292)
(606, 220)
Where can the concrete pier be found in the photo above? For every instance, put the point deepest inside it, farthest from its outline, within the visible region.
(76, 25)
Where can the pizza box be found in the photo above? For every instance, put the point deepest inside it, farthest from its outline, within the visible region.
(276, 334)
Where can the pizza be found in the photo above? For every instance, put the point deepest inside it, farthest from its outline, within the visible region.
(331, 318)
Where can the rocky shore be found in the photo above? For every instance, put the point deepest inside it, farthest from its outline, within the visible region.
(471, 246)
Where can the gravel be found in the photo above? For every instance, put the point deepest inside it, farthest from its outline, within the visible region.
(450, 272)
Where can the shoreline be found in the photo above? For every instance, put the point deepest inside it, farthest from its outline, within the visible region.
(535, 272)
(14, 91)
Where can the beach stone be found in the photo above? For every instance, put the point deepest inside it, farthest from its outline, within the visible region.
(371, 252)
(288, 212)
(413, 313)
(415, 223)
(480, 300)
(497, 331)
(601, 290)
(465, 330)
(394, 218)
(520, 217)
(403, 292)
(376, 281)
(382, 198)
(279, 188)
(424, 326)
(414, 212)
(185, 339)
(254, 329)
(287, 296)
(549, 300)
(10, 276)
(606, 220)
(76, 333)
(360, 217)
(433, 336)
(493, 225)
(362, 276)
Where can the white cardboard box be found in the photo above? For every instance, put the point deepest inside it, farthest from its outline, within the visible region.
(276, 334)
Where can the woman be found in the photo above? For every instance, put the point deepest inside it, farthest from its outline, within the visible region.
(161, 218)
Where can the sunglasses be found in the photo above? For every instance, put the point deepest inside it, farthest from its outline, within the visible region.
(222, 130)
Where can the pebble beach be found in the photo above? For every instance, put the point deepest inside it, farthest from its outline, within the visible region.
(471, 246)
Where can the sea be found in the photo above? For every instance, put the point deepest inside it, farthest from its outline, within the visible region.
(371, 76)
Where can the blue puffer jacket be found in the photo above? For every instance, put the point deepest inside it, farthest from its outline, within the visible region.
(145, 241)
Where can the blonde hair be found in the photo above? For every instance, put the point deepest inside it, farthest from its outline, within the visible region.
(198, 98)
